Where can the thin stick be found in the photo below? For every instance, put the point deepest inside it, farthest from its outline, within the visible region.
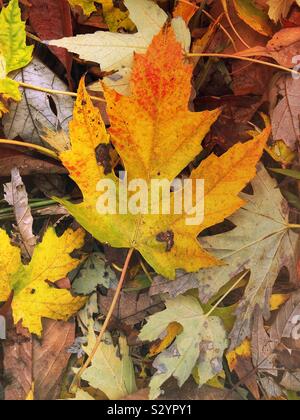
(292, 226)
(40, 149)
(56, 92)
(251, 60)
(225, 7)
(213, 20)
(227, 293)
(78, 376)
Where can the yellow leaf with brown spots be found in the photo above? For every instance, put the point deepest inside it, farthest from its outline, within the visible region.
(34, 293)
(156, 137)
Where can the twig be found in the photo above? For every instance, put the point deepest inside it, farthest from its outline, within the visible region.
(40, 149)
(226, 294)
(251, 60)
(56, 92)
(78, 376)
(225, 7)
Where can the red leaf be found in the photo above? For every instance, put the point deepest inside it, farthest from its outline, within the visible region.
(51, 19)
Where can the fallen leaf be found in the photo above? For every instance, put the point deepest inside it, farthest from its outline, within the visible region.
(114, 51)
(15, 194)
(285, 112)
(256, 18)
(34, 299)
(186, 10)
(132, 307)
(29, 361)
(38, 109)
(50, 358)
(190, 391)
(14, 53)
(178, 133)
(240, 361)
(285, 46)
(93, 273)
(261, 242)
(111, 370)
(28, 165)
(52, 19)
(199, 346)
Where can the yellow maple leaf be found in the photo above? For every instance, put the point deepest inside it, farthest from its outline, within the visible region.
(157, 137)
(33, 297)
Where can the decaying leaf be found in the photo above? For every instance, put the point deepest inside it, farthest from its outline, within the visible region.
(14, 54)
(261, 242)
(286, 112)
(94, 272)
(112, 370)
(38, 110)
(156, 136)
(15, 194)
(199, 346)
(33, 297)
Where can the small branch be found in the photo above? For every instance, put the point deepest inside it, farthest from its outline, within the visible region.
(78, 376)
(56, 92)
(251, 60)
(40, 149)
(225, 7)
(227, 293)
(292, 226)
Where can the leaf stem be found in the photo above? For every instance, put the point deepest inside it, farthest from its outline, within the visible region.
(55, 92)
(293, 226)
(251, 60)
(78, 376)
(40, 149)
(226, 294)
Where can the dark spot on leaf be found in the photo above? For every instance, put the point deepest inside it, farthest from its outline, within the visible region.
(168, 238)
(52, 105)
(103, 158)
(32, 292)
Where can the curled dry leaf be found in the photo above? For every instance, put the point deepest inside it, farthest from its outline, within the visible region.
(15, 194)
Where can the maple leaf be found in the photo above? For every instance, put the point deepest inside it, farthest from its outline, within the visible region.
(156, 136)
(114, 51)
(33, 297)
(200, 345)
(112, 370)
(261, 242)
(14, 54)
